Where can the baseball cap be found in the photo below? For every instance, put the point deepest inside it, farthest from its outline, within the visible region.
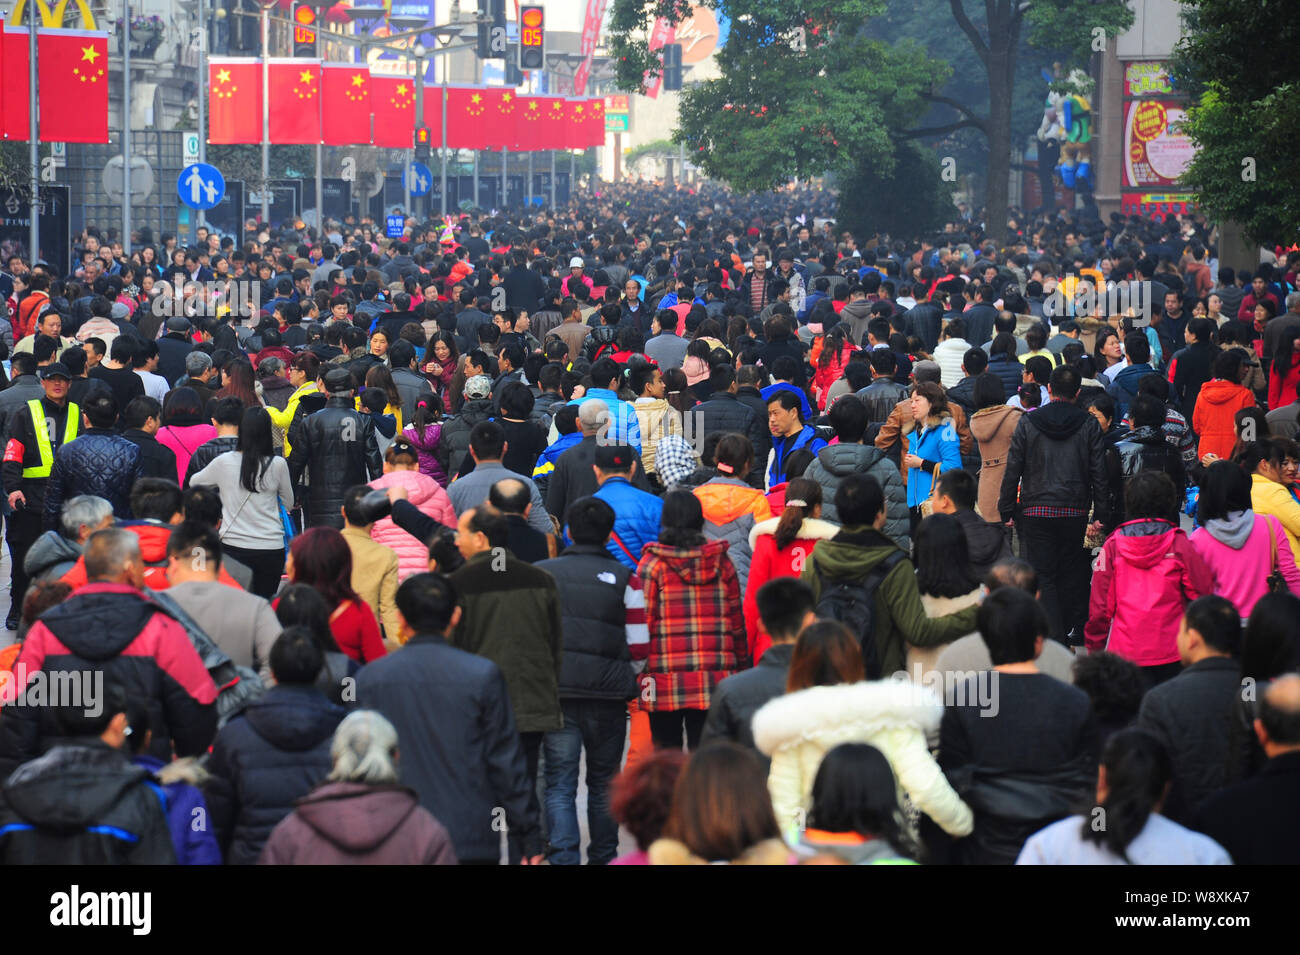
(614, 457)
(56, 370)
(478, 387)
(575, 262)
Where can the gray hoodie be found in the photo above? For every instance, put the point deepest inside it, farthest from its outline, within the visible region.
(1233, 530)
(50, 556)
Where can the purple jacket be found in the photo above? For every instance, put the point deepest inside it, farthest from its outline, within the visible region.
(187, 814)
(426, 444)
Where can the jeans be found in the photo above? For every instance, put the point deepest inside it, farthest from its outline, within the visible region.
(599, 727)
(1053, 546)
(666, 728)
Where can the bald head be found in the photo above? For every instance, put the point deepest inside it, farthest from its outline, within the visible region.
(510, 496)
(592, 416)
(1278, 724)
(113, 556)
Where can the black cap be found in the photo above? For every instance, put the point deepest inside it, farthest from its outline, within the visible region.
(178, 323)
(614, 457)
(338, 381)
(56, 370)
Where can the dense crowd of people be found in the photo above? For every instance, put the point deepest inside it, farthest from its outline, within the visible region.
(811, 547)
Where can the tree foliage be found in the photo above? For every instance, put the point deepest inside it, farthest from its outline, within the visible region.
(1246, 165)
(905, 202)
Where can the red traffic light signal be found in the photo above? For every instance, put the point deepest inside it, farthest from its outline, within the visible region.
(532, 38)
(422, 135)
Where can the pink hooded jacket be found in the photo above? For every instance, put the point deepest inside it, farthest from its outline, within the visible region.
(1239, 555)
(431, 500)
(1146, 574)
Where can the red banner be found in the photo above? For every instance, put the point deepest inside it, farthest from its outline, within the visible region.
(661, 35)
(345, 91)
(72, 83)
(234, 101)
(468, 115)
(590, 37)
(294, 92)
(392, 102)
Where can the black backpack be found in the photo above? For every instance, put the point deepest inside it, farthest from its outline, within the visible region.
(852, 601)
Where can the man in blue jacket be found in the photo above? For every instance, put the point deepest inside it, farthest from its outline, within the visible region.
(638, 514)
(785, 421)
(1125, 386)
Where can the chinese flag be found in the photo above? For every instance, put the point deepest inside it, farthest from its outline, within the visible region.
(73, 83)
(529, 126)
(295, 101)
(503, 110)
(14, 85)
(556, 122)
(234, 100)
(345, 90)
(433, 114)
(468, 114)
(392, 102)
(595, 126)
(576, 134)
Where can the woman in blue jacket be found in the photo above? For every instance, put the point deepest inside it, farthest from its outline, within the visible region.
(932, 443)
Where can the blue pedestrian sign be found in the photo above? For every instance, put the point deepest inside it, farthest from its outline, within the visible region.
(420, 178)
(396, 225)
(201, 186)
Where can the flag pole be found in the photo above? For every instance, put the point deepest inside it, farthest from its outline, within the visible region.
(126, 126)
(552, 180)
(33, 139)
(443, 151)
(266, 114)
(505, 185)
(203, 101)
(320, 152)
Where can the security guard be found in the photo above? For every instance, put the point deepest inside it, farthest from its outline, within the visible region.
(36, 430)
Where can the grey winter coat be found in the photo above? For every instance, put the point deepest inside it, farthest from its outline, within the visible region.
(837, 461)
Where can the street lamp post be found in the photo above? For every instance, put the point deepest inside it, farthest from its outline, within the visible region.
(418, 51)
(126, 125)
(33, 141)
(203, 98)
(266, 111)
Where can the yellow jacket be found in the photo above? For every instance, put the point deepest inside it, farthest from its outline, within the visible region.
(282, 418)
(1269, 497)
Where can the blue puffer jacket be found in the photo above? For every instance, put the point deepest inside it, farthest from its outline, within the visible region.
(936, 443)
(1010, 372)
(1125, 387)
(97, 462)
(637, 516)
(263, 760)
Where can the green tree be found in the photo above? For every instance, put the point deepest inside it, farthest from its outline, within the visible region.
(835, 84)
(905, 202)
(1246, 165)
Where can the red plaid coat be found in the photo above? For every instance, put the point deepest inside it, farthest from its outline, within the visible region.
(696, 623)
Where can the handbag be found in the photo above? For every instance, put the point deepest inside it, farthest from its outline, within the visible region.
(1275, 582)
(927, 506)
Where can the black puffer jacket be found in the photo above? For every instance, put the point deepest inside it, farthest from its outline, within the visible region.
(338, 449)
(1142, 449)
(596, 664)
(1056, 460)
(925, 321)
(455, 431)
(83, 804)
(263, 760)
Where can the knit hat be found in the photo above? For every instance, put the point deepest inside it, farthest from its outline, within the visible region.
(696, 369)
(675, 459)
(478, 387)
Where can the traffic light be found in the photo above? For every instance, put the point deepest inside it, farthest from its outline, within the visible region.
(304, 30)
(492, 34)
(422, 144)
(532, 38)
(672, 66)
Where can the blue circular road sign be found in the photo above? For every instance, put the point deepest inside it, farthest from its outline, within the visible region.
(201, 186)
(421, 178)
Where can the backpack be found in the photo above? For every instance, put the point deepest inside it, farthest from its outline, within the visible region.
(852, 601)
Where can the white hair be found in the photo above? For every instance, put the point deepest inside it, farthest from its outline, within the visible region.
(593, 414)
(364, 749)
(84, 510)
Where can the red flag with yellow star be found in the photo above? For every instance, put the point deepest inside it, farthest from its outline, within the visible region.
(234, 100)
(72, 77)
(504, 116)
(294, 92)
(345, 93)
(469, 111)
(392, 103)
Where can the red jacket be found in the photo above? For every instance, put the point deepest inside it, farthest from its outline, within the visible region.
(696, 623)
(1281, 388)
(769, 563)
(1146, 575)
(826, 375)
(1217, 403)
(153, 550)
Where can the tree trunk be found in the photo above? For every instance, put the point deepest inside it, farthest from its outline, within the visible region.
(1003, 39)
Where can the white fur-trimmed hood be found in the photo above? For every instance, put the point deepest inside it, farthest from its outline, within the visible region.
(812, 528)
(827, 711)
